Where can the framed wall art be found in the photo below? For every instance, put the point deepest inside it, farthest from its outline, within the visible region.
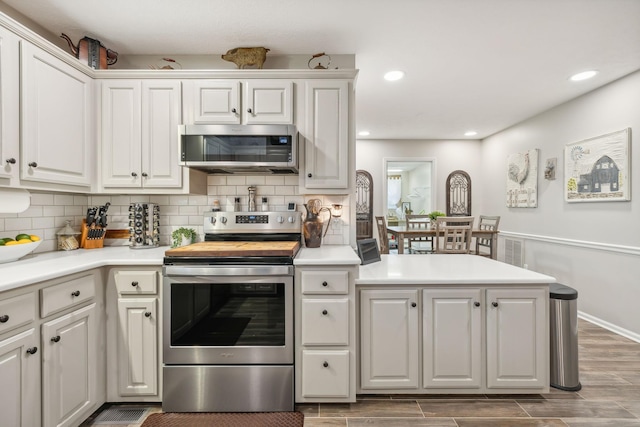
(522, 179)
(598, 169)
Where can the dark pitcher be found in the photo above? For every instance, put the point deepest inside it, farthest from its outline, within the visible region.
(312, 225)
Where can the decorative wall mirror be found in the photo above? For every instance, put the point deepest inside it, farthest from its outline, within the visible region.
(364, 205)
(458, 194)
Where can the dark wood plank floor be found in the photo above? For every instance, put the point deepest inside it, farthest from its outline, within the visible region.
(610, 397)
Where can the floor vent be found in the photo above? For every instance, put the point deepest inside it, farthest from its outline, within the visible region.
(123, 416)
(514, 251)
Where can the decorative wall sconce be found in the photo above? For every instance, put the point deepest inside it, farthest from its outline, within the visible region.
(336, 211)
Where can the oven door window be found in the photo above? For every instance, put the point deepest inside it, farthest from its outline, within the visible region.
(227, 315)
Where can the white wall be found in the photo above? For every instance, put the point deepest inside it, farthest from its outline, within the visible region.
(593, 247)
(449, 156)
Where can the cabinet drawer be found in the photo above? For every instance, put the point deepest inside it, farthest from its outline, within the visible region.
(136, 282)
(325, 321)
(67, 294)
(17, 311)
(325, 282)
(325, 373)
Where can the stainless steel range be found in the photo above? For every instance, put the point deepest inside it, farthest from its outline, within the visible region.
(228, 315)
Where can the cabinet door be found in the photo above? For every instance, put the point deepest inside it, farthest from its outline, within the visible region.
(161, 115)
(268, 101)
(137, 346)
(214, 102)
(69, 355)
(451, 324)
(121, 153)
(327, 134)
(57, 120)
(20, 379)
(390, 341)
(517, 338)
(9, 104)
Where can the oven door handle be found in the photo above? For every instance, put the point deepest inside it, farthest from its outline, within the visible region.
(207, 271)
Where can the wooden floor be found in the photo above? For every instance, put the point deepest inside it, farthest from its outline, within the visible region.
(610, 396)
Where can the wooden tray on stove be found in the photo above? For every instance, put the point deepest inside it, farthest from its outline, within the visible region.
(235, 249)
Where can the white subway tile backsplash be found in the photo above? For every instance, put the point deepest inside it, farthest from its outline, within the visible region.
(75, 210)
(256, 180)
(63, 199)
(17, 224)
(41, 199)
(47, 222)
(216, 180)
(274, 180)
(53, 210)
(236, 180)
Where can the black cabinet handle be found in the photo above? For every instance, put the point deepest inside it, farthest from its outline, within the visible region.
(249, 110)
(495, 304)
(309, 175)
(4, 318)
(233, 110)
(413, 304)
(325, 364)
(134, 284)
(133, 174)
(11, 161)
(144, 174)
(32, 350)
(325, 312)
(477, 304)
(147, 314)
(33, 165)
(55, 339)
(75, 293)
(325, 284)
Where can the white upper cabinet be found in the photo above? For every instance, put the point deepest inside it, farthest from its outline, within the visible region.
(231, 101)
(326, 136)
(140, 121)
(57, 120)
(9, 101)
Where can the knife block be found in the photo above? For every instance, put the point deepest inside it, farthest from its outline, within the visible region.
(87, 242)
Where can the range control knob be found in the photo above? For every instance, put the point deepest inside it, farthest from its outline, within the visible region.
(292, 219)
(223, 219)
(213, 220)
(280, 219)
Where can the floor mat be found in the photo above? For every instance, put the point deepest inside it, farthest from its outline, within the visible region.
(225, 419)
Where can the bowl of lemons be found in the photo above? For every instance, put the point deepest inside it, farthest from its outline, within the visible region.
(12, 249)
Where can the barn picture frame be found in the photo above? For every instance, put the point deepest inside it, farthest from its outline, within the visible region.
(598, 169)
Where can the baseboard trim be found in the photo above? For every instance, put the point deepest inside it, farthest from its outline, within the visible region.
(609, 326)
(606, 247)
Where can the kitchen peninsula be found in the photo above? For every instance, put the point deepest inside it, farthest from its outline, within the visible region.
(452, 324)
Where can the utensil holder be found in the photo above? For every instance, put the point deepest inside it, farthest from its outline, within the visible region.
(91, 238)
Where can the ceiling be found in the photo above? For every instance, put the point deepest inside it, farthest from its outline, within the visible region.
(469, 64)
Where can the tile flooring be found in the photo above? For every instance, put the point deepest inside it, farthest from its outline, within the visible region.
(610, 397)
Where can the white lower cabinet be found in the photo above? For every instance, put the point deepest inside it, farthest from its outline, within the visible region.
(325, 334)
(471, 340)
(69, 367)
(133, 367)
(20, 379)
(389, 338)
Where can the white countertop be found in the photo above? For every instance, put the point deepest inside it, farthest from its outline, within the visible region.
(443, 269)
(49, 265)
(327, 255)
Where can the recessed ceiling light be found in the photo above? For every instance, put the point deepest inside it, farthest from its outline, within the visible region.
(394, 75)
(364, 133)
(470, 133)
(583, 75)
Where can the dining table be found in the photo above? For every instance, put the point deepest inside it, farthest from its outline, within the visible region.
(402, 232)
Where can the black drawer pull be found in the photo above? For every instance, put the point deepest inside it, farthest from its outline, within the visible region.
(325, 312)
(477, 304)
(32, 350)
(325, 284)
(4, 318)
(56, 338)
(325, 364)
(147, 314)
(495, 304)
(413, 304)
(75, 293)
(134, 284)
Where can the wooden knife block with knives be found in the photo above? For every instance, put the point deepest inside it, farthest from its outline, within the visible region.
(94, 227)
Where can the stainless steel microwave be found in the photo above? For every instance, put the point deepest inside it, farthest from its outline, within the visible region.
(240, 148)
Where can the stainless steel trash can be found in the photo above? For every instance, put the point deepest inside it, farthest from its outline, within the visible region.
(563, 331)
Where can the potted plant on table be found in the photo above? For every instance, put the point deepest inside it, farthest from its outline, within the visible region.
(182, 236)
(433, 215)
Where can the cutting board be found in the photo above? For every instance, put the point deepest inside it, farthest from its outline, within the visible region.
(235, 249)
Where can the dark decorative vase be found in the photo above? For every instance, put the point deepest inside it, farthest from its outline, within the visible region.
(312, 225)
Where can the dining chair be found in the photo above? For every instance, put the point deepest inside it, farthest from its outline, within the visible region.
(383, 235)
(486, 223)
(453, 234)
(419, 245)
